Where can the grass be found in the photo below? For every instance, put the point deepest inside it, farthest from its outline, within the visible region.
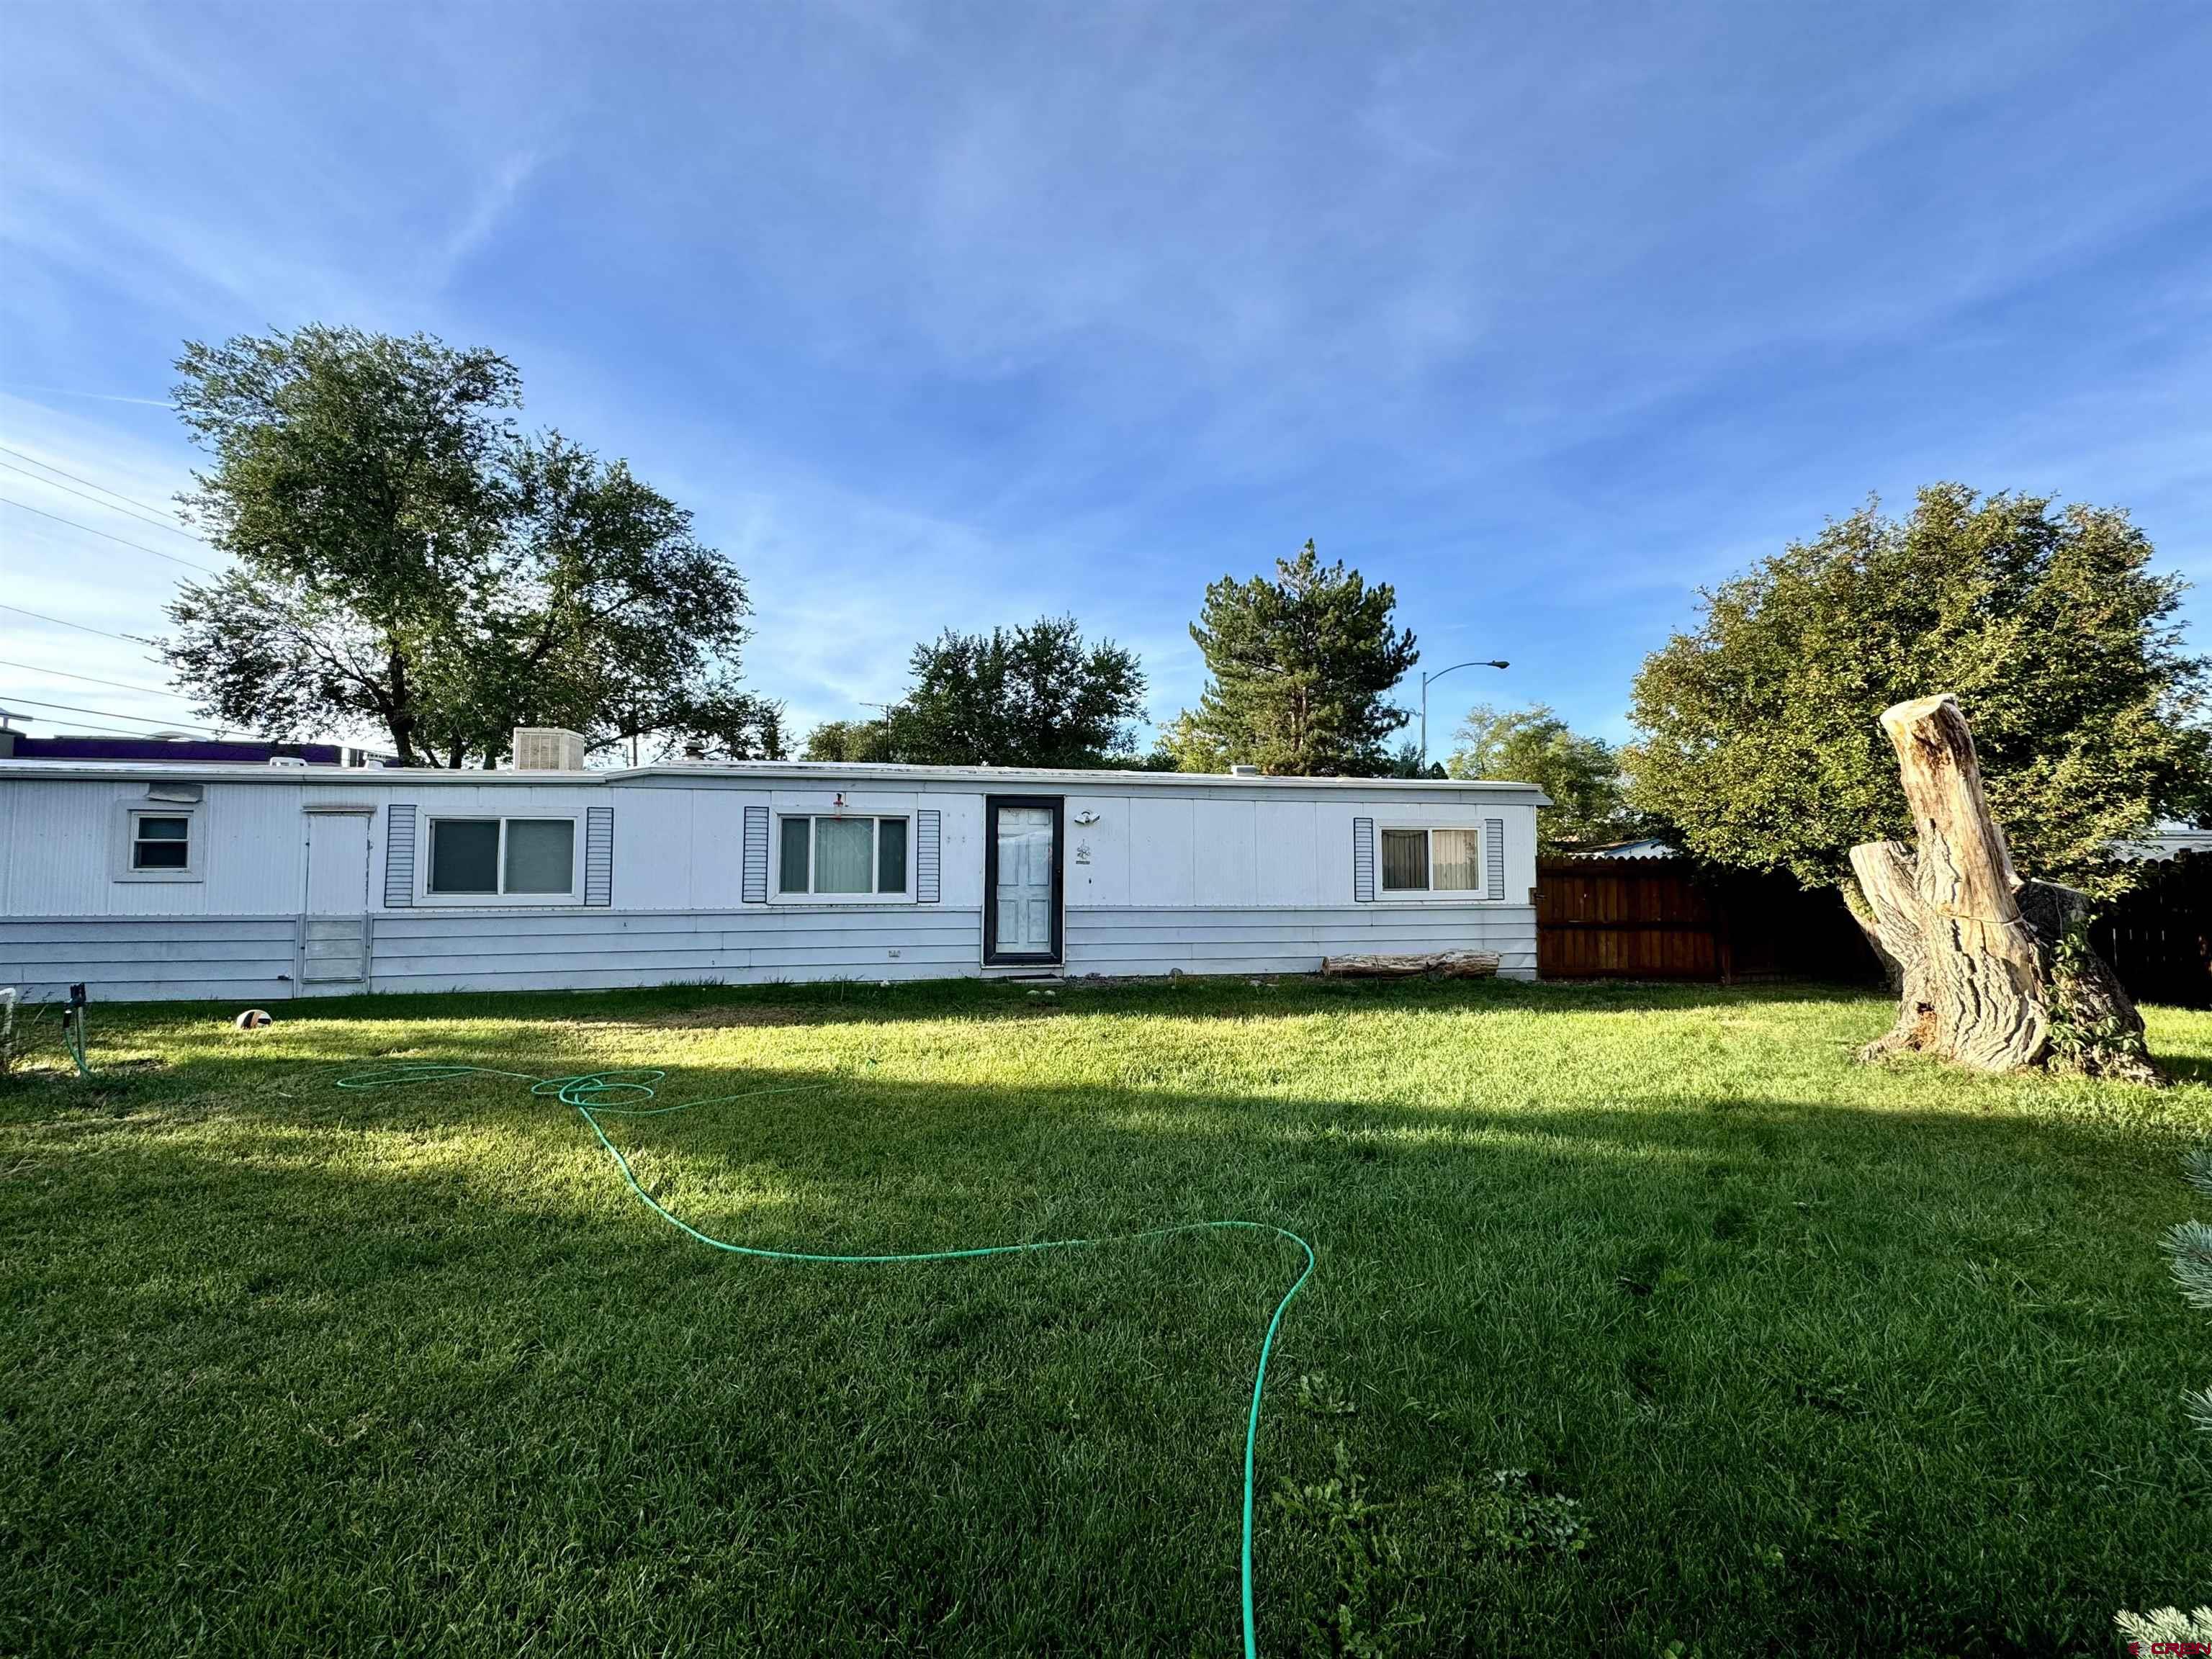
(1646, 1322)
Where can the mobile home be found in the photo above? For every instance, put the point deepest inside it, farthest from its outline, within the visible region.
(254, 883)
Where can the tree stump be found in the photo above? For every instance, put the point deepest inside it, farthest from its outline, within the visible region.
(1993, 972)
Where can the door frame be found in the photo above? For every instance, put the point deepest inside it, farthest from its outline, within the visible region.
(993, 957)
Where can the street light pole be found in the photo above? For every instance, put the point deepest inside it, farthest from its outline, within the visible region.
(1426, 677)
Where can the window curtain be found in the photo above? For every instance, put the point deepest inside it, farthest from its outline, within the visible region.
(1405, 860)
(1458, 856)
(541, 856)
(844, 850)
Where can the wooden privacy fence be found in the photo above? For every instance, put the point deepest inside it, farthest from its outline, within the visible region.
(2158, 938)
(1671, 919)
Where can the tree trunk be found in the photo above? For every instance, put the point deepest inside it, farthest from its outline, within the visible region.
(1994, 973)
(1885, 875)
(1860, 909)
(1445, 965)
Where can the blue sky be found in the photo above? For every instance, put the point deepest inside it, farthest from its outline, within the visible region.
(945, 314)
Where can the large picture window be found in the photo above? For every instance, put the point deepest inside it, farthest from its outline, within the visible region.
(842, 857)
(1431, 860)
(502, 858)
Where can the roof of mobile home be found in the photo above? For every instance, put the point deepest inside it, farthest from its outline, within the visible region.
(796, 772)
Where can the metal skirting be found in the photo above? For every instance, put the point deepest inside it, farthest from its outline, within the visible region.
(333, 954)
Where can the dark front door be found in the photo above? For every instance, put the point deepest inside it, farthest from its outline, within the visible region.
(1021, 879)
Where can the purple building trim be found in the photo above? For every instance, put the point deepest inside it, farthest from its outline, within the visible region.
(183, 752)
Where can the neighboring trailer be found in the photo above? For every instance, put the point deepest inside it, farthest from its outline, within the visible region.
(254, 883)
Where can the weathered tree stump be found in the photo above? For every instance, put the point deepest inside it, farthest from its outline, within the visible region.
(1993, 972)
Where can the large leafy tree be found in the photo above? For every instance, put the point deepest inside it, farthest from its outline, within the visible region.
(408, 561)
(1299, 665)
(1581, 774)
(1040, 695)
(1758, 738)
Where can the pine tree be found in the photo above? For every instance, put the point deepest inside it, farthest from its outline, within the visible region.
(1299, 665)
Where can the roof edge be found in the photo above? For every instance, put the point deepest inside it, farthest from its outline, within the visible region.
(1104, 779)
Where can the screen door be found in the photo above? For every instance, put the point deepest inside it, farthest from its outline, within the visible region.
(1022, 851)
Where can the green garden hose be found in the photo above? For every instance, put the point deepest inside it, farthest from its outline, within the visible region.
(589, 1091)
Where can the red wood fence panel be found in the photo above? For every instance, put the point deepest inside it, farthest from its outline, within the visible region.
(1623, 919)
(1669, 918)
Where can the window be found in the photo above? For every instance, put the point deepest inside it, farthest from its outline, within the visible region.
(161, 840)
(499, 858)
(160, 837)
(1431, 860)
(842, 857)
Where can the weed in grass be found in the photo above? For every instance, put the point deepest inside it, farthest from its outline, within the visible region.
(1318, 1392)
(1363, 1555)
(1508, 1515)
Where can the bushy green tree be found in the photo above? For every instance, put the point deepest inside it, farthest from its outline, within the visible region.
(1039, 695)
(1758, 745)
(1534, 745)
(407, 560)
(1299, 665)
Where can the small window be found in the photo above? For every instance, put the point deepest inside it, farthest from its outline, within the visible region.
(1431, 860)
(493, 858)
(161, 840)
(842, 857)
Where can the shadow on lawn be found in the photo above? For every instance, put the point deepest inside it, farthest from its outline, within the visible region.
(1236, 997)
(1854, 1337)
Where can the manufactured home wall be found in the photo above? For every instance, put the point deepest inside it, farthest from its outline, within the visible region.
(1222, 880)
(1236, 884)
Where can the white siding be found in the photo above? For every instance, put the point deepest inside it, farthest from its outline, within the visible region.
(1292, 941)
(129, 959)
(517, 950)
(1215, 877)
(1162, 848)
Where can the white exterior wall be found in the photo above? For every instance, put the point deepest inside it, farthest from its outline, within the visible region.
(1243, 885)
(1211, 878)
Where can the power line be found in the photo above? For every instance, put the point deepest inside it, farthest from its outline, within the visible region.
(91, 680)
(115, 714)
(108, 506)
(58, 621)
(125, 540)
(102, 488)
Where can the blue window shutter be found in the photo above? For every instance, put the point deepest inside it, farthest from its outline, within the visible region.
(598, 855)
(1363, 860)
(928, 857)
(755, 867)
(399, 857)
(1493, 858)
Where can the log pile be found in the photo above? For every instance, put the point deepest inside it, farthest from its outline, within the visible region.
(1443, 964)
(1993, 971)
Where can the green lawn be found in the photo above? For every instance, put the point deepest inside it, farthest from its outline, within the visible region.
(1827, 1358)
